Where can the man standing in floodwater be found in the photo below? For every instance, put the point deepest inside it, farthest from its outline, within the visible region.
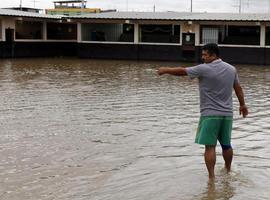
(217, 79)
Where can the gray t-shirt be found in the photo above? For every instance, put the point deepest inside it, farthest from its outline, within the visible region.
(216, 81)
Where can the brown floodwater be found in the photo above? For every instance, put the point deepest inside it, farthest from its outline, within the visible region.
(76, 129)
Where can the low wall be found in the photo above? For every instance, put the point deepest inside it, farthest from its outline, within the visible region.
(136, 52)
(234, 55)
(108, 51)
(267, 56)
(37, 49)
(246, 55)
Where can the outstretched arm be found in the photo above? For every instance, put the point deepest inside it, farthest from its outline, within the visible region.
(177, 71)
(243, 110)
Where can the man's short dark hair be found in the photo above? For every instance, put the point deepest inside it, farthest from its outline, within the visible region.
(211, 48)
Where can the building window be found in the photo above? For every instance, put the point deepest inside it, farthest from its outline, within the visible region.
(228, 34)
(267, 36)
(61, 31)
(28, 30)
(209, 35)
(160, 33)
(108, 32)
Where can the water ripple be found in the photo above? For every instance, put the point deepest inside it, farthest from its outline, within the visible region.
(94, 129)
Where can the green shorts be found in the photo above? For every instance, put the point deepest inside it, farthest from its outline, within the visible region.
(214, 128)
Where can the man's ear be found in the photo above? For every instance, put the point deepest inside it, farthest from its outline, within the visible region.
(214, 55)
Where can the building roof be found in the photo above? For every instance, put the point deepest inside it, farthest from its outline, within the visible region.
(23, 8)
(18, 13)
(70, 1)
(181, 16)
(168, 16)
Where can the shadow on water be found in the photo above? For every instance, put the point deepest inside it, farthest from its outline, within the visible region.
(225, 186)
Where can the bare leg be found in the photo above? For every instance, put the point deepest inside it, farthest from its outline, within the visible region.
(210, 160)
(228, 156)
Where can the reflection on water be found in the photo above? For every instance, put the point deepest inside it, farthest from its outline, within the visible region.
(226, 191)
(222, 188)
(95, 129)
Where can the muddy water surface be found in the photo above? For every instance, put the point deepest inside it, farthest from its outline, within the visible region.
(113, 130)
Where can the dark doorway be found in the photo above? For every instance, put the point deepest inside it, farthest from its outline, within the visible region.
(9, 44)
(188, 46)
(9, 35)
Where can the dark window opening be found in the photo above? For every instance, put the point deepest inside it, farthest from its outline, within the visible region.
(108, 32)
(28, 30)
(235, 35)
(60, 31)
(267, 36)
(160, 33)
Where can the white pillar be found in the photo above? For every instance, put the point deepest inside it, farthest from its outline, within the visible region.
(136, 33)
(262, 37)
(3, 35)
(8, 22)
(181, 32)
(197, 34)
(79, 32)
(3, 30)
(44, 31)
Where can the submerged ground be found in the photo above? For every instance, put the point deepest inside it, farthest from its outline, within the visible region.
(94, 129)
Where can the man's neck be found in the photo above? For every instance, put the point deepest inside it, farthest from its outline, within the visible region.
(217, 58)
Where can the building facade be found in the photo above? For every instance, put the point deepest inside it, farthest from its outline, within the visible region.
(170, 36)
